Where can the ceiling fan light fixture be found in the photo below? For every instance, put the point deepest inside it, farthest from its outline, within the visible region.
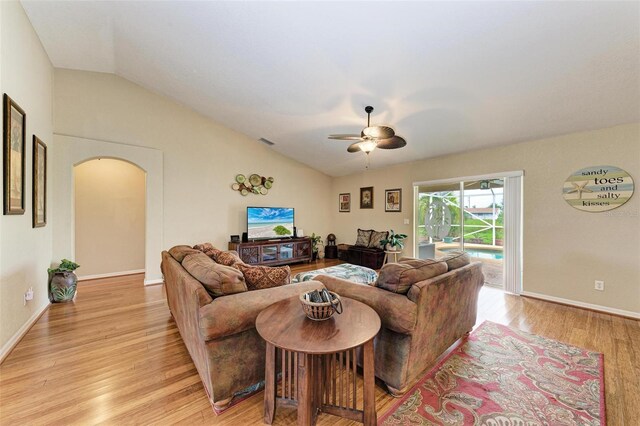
(368, 146)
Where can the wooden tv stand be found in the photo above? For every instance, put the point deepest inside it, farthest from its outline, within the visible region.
(274, 252)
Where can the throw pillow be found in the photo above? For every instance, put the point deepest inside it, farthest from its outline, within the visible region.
(179, 252)
(208, 249)
(259, 277)
(228, 258)
(455, 259)
(218, 280)
(399, 277)
(376, 237)
(364, 236)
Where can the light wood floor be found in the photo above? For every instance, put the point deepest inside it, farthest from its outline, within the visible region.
(115, 356)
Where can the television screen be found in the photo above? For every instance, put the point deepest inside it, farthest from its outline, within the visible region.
(269, 222)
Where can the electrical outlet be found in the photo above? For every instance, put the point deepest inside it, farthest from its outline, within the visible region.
(406, 222)
(28, 295)
(599, 285)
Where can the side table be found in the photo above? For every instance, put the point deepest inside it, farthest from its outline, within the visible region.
(318, 361)
(330, 252)
(388, 254)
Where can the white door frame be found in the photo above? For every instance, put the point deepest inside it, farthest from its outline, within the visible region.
(513, 195)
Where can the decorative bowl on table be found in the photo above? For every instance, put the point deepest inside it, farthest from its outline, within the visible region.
(320, 311)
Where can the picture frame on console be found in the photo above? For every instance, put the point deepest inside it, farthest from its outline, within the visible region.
(344, 203)
(366, 197)
(393, 200)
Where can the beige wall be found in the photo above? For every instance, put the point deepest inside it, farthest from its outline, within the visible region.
(109, 217)
(565, 249)
(201, 158)
(25, 253)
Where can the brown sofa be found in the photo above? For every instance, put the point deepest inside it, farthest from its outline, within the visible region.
(417, 327)
(220, 333)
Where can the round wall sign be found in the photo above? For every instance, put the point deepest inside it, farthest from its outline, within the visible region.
(598, 188)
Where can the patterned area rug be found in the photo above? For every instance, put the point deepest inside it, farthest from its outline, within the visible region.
(238, 397)
(354, 273)
(505, 377)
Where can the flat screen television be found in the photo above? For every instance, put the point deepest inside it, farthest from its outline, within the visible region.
(269, 222)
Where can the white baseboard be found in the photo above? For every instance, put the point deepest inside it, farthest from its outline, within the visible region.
(598, 308)
(110, 274)
(154, 281)
(11, 343)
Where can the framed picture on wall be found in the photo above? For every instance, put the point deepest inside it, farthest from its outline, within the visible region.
(14, 126)
(39, 192)
(393, 200)
(366, 197)
(344, 202)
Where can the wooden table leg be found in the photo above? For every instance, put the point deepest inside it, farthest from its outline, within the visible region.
(369, 396)
(317, 384)
(305, 390)
(270, 384)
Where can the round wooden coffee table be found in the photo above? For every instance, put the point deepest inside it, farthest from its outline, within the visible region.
(318, 361)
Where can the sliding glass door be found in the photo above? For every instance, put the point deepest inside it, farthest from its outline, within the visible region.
(467, 214)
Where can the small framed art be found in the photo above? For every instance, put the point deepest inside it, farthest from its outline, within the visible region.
(14, 127)
(344, 203)
(393, 200)
(366, 197)
(39, 193)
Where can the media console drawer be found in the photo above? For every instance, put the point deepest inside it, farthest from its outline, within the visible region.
(270, 252)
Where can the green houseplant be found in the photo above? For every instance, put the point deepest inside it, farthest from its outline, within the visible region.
(394, 242)
(315, 241)
(63, 281)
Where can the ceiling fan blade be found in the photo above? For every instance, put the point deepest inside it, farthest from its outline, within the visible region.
(378, 132)
(345, 137)
(354, 147)
(391, 143)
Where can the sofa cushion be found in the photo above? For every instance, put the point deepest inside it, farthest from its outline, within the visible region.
(261, 277)
(206, 248)
(396, 311)
(376, 237)
(229, 315)
(179, 252)
(399, 277)
(218, 280)
(455, 259)
(364, 236)
(227, 258)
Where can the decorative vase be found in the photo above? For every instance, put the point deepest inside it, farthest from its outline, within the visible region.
(62, 287)
(389, 247)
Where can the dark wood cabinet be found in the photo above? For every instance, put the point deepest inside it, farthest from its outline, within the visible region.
(274, 252)
(363, 256)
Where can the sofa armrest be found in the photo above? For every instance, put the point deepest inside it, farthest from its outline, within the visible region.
(470, 273)
(396, 312)
(228, 315)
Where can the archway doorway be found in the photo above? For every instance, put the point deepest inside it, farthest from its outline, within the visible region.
(109, 203)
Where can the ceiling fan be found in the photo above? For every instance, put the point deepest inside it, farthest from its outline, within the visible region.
(372, 137)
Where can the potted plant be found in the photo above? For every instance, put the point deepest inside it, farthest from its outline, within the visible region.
(63, 281)
(315, 240)
(394, 242)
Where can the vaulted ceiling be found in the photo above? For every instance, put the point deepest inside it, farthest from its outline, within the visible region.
(448, 76)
